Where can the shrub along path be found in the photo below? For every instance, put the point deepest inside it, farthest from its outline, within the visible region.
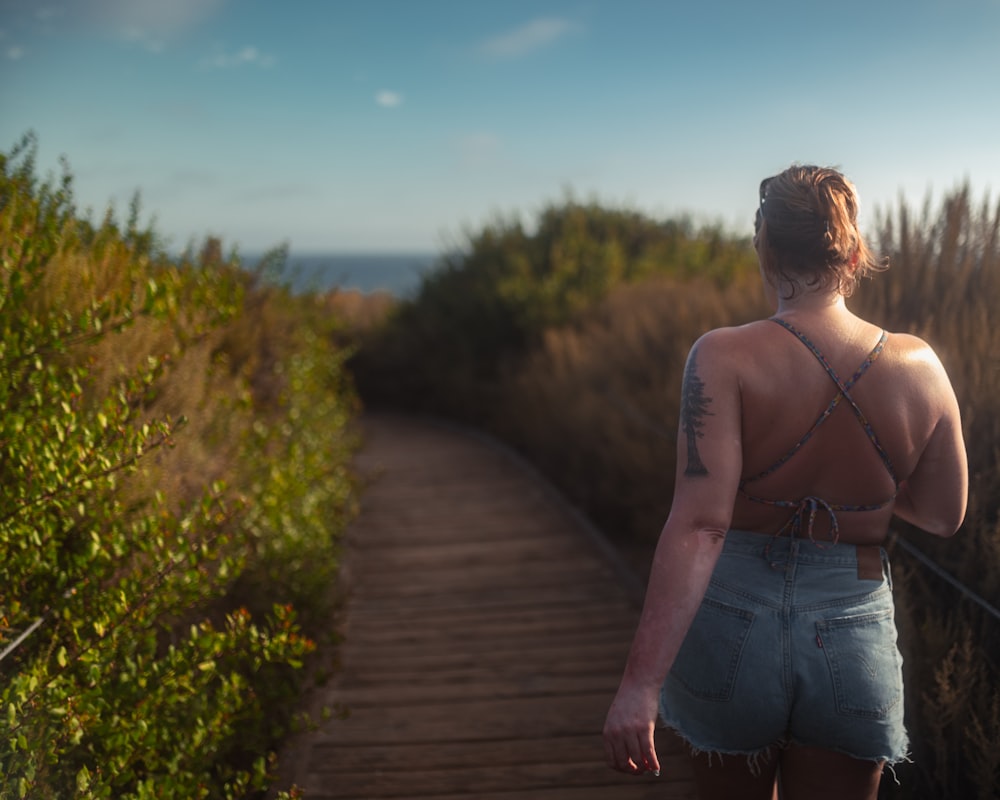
(485, 633)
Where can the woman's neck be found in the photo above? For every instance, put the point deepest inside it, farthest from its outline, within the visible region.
(810, 301)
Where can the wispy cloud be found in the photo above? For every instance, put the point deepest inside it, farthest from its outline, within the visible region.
(239, 58)
(147, 23)
(148, 19)
(140, 37)
(478, 149)
(388, 99)
(528, 38)
(10, 47)
(268, 192)
(47, 13)
(195, 178)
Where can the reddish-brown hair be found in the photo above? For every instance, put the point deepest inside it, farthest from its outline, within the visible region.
(808, 218)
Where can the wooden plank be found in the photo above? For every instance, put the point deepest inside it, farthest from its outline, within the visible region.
(476, 778)
(377, 674)
(552, 659)
(481, 578)
(474, 720)
(512, 593)
(439, 654)
(361, 694)
(441, 755)
(484, 635)
(471, 624)
(647, 789)
(445, 755)
(628, 789)
(463, 602)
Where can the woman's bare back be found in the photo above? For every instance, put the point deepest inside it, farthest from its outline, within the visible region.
(785, 389)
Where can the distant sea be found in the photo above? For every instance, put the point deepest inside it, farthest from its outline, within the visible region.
(397, 273)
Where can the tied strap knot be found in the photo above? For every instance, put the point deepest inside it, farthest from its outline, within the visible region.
(804, 517)
(805, 513)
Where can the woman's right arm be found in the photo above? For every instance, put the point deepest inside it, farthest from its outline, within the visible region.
(710, 460)
(934, 496)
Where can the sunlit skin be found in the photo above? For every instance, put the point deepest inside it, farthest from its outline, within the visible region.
(750, 372)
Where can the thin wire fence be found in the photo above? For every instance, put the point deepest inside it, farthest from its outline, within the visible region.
(34, 626)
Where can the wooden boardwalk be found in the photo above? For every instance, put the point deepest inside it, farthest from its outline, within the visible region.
(485, 633)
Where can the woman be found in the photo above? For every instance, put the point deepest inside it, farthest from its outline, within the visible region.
(767, 638)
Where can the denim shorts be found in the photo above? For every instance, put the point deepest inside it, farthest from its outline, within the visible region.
(794, 643)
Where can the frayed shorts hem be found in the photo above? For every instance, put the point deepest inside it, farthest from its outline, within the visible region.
(888, 760)
(754, 756)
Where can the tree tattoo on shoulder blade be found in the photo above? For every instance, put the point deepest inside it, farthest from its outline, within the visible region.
(694, 408)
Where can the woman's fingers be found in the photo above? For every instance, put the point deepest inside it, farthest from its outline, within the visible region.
(631, 751)
(628, 732)
(649, 752)
(616, 751)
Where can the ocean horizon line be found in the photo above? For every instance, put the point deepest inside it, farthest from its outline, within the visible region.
(345, 253)
(399, 273)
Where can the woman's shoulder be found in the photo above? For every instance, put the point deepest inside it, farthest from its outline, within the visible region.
(735, 335)
(736, 342)
(920, 372)
(737, 353)
(912, 352)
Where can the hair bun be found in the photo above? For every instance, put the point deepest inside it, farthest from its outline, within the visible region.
(812, 229)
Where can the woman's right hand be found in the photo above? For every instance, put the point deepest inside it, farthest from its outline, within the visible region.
(628, 731)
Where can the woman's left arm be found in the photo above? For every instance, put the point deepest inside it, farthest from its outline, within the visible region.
(709, 464)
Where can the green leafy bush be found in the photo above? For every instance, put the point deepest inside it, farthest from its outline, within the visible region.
(152, 470)
(490, 303)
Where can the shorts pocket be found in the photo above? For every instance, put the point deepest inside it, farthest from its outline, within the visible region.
(865, 664)
(708, 661)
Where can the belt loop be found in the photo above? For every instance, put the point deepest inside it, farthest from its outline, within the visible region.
(869, 562)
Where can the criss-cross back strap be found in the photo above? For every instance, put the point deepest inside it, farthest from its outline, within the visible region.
(842, 394)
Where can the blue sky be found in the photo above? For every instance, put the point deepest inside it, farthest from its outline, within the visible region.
(398, 125)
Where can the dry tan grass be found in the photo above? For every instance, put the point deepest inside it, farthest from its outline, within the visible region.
(359, 311)
(597, 404)
(199, 388)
